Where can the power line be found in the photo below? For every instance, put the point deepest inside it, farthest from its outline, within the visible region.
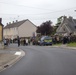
(59, 11)
(39, 8)
(26, 6)
(41, 18)
(48, 13)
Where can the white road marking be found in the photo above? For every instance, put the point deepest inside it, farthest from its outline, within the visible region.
(18, 53)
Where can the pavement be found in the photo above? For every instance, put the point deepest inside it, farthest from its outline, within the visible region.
(9, 56)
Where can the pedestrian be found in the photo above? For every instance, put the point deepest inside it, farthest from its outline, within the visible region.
(29, 41)
(5, 42)
(18, 41)
(24, 41)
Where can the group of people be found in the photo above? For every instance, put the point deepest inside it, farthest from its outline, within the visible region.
(57, 39)
(22, 42)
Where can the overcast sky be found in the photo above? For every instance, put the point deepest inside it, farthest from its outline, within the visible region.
(37, 11)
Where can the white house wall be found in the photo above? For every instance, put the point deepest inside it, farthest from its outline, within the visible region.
(10, 32)
(26, 29)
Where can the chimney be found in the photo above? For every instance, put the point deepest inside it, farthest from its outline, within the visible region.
(71, 18)
(64, 17)
(0, 20)
(13, 22)
(16, 20)
(7, 23)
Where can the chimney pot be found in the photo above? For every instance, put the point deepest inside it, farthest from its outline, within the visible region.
(16, 20)
(13, 21)
(9, 22)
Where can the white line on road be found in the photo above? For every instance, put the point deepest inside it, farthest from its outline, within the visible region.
(18, 53)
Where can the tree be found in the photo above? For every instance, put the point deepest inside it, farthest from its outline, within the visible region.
(45, 28)
(54, 29)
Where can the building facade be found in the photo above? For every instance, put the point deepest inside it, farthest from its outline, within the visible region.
(24, 28)
(67, 26)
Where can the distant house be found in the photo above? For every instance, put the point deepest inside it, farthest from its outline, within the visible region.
(24, 28)
(67, 26)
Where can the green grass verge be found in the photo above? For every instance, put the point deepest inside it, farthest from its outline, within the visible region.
(72, 44)
(59, 44)
(69, 44)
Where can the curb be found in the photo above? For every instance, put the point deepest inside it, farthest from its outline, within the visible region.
(74, 48)
(11, 63)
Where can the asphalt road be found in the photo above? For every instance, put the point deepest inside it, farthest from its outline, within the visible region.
(41, 60)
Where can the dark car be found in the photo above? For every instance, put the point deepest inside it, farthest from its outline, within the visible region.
(46, 40)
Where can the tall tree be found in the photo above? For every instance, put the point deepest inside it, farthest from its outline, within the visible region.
(45, 28)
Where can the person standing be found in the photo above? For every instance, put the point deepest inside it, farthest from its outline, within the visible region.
(18, 41)
(24, 42)
(5, 42)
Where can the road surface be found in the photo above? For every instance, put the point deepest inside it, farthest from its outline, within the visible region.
(42, 60)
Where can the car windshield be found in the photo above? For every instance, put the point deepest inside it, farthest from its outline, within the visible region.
(46, 37)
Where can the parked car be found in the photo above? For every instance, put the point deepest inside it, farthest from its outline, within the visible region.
(46, 40)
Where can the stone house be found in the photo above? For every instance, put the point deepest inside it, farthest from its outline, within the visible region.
(67, 27)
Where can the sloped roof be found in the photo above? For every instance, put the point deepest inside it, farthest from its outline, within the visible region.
(72, 24)
(16, 24)
(74, 20)
(69, 22)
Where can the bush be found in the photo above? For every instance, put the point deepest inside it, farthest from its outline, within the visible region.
(73, 38)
